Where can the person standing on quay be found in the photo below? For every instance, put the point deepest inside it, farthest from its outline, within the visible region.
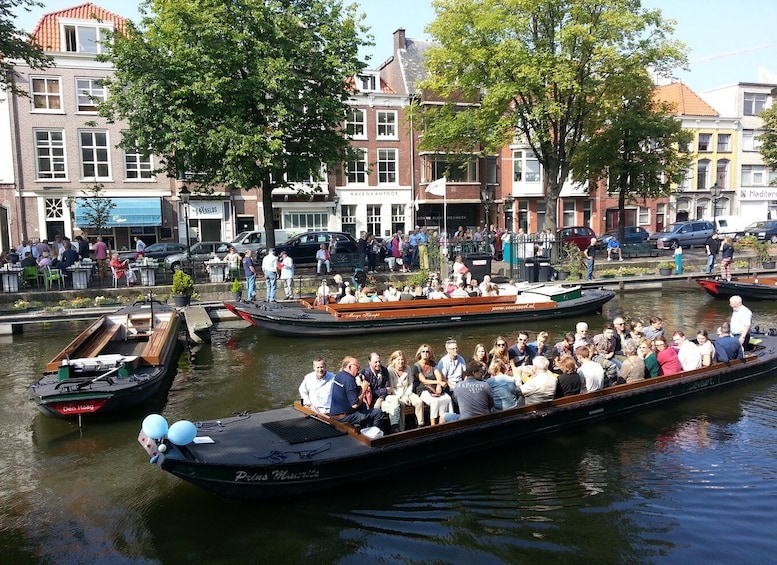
(250, 270)
(712, 246)
(269, 268)
(590, 255)
(287, 274)
(727, 257)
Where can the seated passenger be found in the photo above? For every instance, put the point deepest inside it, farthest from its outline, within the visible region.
(316, 389)
(667, 357)
(727, 347)
(655, 329)
(563, 349)
(687, 352)
(348, 394)
(499, 351)
(429, 385)
(437, 293)
(633, 367)
(648, 355)
(460, 291)
(473, 395)
(541, 386)
(540, 345)
(706, 348)
(502, 385)
(404, 386)
(383, 396)
(591, 373)
(349, 298)
(568, 382)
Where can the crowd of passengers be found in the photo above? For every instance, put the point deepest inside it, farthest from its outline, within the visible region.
(504, 375)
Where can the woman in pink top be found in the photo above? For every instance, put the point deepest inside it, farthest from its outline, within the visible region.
(667, 357)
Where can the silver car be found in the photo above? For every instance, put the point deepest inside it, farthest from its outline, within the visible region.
(683, 234)
(198, 253)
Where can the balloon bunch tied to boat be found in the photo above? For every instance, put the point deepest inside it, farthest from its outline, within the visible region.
(155, 427)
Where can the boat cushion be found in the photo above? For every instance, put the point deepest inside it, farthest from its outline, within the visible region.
(300, 430)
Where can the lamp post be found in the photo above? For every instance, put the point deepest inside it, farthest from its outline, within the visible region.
(185, 194)
(715, 191)
(487, 198)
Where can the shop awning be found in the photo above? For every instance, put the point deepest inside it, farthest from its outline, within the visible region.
(127, 212)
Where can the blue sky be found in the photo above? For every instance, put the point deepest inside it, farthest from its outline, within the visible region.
(728, 40)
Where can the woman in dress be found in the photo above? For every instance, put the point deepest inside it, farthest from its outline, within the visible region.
(432, 390)
(403, 384)
(706, 348)
(460, 270)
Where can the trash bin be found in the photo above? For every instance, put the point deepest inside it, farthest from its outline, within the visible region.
(479, 264)
(532, 268)
(545, 271)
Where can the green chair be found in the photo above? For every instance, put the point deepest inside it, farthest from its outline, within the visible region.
(31, 276)
(50, 276)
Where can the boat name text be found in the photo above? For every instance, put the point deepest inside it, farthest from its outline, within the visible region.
(277, 475)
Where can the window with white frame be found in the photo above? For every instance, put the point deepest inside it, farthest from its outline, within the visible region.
(541, 211)
(754, 103)
(517, 166)
(588, 212)
(373, 219)
(387, 166)
(456, 169)
(685, 180)
(46, 94)
(397, 218)
(54, 208)
(95, 162)
(570, 213)
(387, 124)
(368, 82)
(357, 168)
(348, 218)
(533, 171)
(356, 124)
(138, 166)
(305, 221)
(705, 142)
(722, 172)
(724, 142)
(50, 154)
(84, 37)
(643, 216)
(750, 141)
(318, 174)
(90, 92)
(753, 175)
(702, 174)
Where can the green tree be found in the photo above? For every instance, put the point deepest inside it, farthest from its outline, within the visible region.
(97, 208)
(17, 45)
(239, 93)
(543, 71)
(641, 151)
(769, 137)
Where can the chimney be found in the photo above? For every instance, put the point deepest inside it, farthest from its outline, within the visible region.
(399, 40)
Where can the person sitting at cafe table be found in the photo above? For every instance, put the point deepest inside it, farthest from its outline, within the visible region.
(121, 268)
(29, 260)
(347, 403)
(474, 396)
(69, 258)
(44, 261)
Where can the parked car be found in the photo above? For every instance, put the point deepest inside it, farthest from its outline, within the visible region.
(157, 251)
(579, 235)
(302, 248)
(685, 234)
(199, 252)
(764, 231)
(631, 234)
(253, 240)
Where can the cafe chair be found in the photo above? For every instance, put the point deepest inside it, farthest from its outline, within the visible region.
(116, 278)
(51, 276)
(31, 276)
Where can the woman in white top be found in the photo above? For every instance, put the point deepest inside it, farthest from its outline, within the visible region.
(403, 384)
(322, 294)
(287, 274)
(706, 348)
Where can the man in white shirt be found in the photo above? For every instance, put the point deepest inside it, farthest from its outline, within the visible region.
(270, 270)
(741, 321)
(591, 373)
(452, 365)
(316, 388)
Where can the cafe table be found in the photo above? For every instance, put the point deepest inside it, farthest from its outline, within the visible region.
(10, 274)
(147, 273)
(217, 270)
(79, 274)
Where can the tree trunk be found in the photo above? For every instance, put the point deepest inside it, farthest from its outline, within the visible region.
(269, 226)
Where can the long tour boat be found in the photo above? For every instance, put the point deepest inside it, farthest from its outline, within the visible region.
(749, 288)
(119, 361)
(534, 303)
(294, 450)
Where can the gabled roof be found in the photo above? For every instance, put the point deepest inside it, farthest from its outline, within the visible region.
(685, 101)
(46, 33)
(411, 61)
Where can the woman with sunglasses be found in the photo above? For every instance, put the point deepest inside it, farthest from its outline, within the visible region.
(499, 351)
(431, 389)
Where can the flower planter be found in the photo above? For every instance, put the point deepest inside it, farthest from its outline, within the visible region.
(664, 272)
(236, 296)
(182, 300)
(768, 265)
(562, 275)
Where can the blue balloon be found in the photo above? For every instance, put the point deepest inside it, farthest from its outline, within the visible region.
(154, 426)
(182, 432)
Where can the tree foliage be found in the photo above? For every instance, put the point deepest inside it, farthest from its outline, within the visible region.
(543, 70)
(641, 150)
(17, 45)
(768, 138)
(97, 207)
(238, 92)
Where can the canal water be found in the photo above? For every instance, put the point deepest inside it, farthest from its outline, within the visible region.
(694, 481)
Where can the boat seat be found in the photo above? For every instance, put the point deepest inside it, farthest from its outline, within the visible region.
(138, 326)
(96, 346)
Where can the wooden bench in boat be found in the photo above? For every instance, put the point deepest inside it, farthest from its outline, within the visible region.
(154, 350)
(413, 304)
(90, 347)
(138, 326)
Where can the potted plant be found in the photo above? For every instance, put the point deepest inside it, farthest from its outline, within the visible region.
(572, 262)
(762, 249)
(183, 288)
(236, 289)
(609, 273)
(665, 268)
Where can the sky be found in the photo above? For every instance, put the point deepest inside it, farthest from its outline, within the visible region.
(726, 44)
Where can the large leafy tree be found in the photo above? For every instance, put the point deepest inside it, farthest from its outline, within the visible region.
(17, 45)
(769, 136)
(543, 70)
(239, 92)
(640, 150)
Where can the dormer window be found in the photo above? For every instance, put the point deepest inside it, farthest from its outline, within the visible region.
(368, 82)
(83, 37)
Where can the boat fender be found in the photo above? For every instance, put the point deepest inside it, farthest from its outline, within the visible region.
(154, 459)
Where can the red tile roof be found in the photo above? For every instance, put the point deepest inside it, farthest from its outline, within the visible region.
(685, 101)
(46, 33)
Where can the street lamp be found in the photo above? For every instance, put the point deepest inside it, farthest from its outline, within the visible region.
(185, 194)
(715, 191)
(487, 198)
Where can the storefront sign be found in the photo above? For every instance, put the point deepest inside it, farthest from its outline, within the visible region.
(206, 209)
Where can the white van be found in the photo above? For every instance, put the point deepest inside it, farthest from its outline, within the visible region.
(731, 226)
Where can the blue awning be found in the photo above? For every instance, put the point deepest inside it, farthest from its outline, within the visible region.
(127, 212)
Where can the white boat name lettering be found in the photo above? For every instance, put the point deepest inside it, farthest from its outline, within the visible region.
(362, 316)
(277, 475)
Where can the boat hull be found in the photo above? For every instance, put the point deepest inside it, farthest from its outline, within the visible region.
(247, 460)
(122, 371)
(749, 289)
(297, 321)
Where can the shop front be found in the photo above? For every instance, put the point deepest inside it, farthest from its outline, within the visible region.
(121, 220)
